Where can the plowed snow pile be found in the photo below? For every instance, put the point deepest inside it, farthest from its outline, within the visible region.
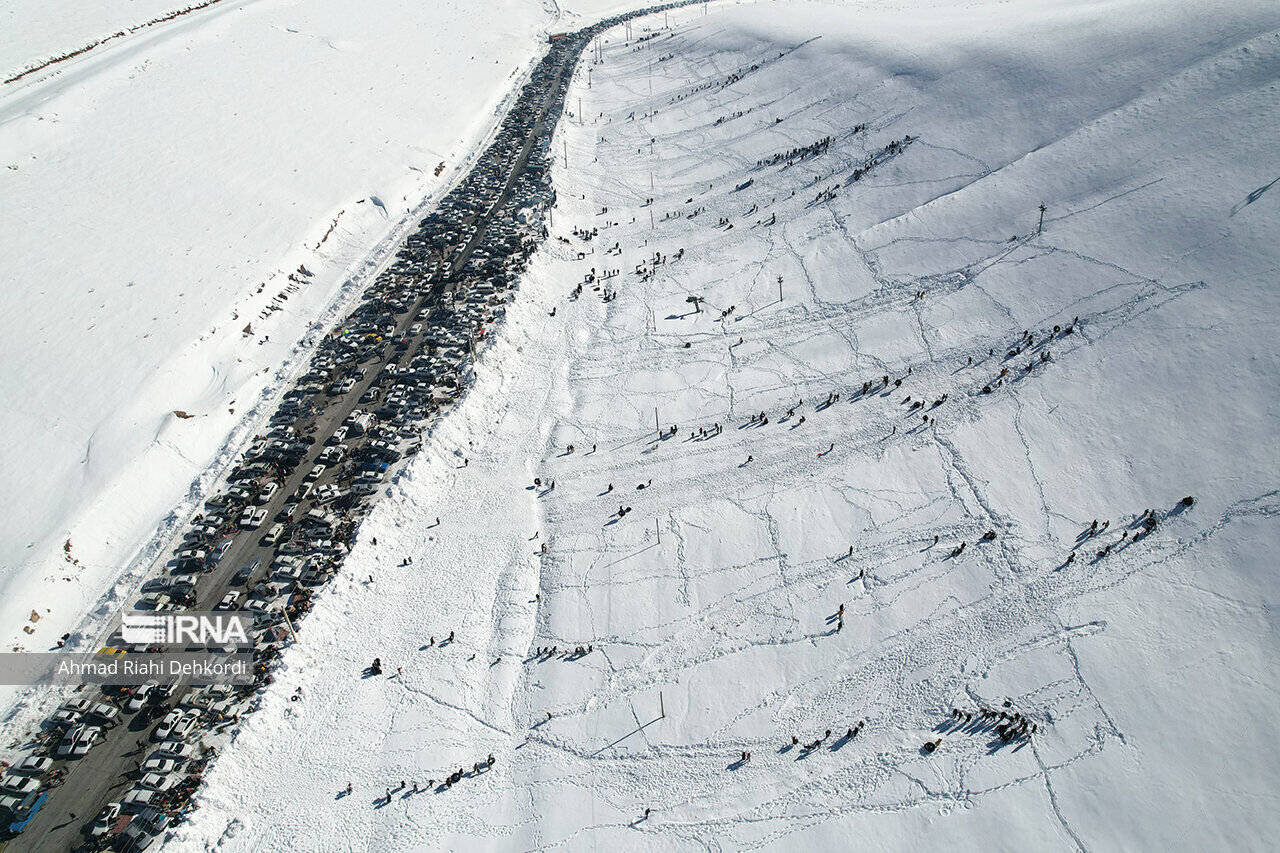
(918, 140)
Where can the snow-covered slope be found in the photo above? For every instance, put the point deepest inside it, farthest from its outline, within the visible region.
(160, 194)
(1147, 663)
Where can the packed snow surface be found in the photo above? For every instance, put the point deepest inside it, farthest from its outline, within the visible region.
(161, 192)
(1148, 131)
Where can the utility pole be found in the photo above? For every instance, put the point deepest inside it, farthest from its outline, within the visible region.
(566, 152)
(779, 288)
(655, 422)
(581, 118)
(1040, 227)
(657, 530)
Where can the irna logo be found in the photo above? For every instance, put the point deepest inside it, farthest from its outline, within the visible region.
(218, 630)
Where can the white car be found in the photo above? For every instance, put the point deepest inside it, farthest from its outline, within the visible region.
(139, 697)
(165, 728)
(72, 711)
(78, 741)
(268, 492)
(106, 712)
(157, 764)
(252, 519)
(19, 785)
(288, 572)
(108, 816)
(33, 764)
(139, 798)
(183, 728)
(202, 531)
(228, 601)
(175, 749)
(158, 781)
(314, 474)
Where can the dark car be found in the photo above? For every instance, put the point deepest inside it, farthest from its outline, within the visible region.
(243, 576)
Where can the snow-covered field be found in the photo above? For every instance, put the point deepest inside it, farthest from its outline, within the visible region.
(1147, 130)
(158, 194)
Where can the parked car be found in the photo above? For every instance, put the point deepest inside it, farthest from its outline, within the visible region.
(138, 799)
(22, 810)
(105, 819)
(164, 730)
(156, 585)
(72, 711)
(76, 743)
(145, 829)
(273, 535)
(221, 551)
(139, 697)
(17, 785)
(158, 781)
(186, 725)
(160, 764)
(175, 749)
(252, 518)
(34, 765)
(243, 576)
(105, 713)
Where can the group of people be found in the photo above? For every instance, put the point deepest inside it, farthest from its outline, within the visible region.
(1009, 724)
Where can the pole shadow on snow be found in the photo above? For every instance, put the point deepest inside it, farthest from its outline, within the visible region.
(632, 554)
(624, 737)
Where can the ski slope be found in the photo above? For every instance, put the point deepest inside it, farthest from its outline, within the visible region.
(163, 193)
(1147, 662)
